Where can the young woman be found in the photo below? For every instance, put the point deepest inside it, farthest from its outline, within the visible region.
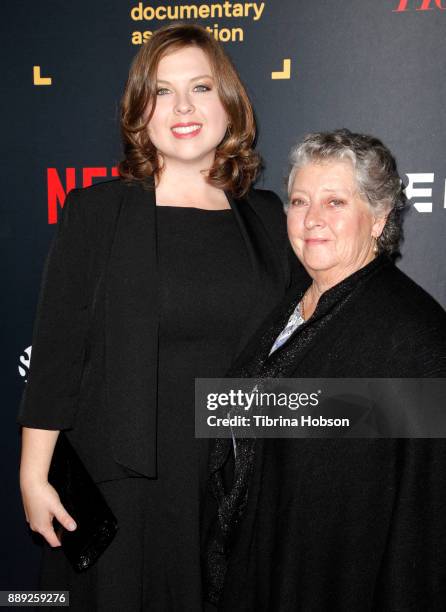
(152, 279)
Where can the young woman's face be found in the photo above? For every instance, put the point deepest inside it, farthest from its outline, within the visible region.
(189, 120)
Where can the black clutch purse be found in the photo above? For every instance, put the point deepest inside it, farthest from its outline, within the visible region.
(81, 497)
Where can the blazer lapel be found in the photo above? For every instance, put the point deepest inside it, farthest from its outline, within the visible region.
(132, 332)
(264, 261)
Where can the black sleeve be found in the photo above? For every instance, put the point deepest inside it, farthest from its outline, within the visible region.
(421, 354)
(413, 569)
(50, 398)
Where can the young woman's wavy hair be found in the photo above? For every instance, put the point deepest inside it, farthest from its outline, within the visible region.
(236, 164)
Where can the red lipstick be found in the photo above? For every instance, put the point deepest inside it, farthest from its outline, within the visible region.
(186, 130)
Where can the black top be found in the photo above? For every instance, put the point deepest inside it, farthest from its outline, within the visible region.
(338, 524)
(203, 271)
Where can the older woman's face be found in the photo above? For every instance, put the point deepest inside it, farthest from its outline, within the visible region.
(330, 226)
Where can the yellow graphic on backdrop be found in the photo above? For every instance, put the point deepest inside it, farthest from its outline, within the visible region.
(224, 10)
(38, 79)
(144, 13)
(285, 73)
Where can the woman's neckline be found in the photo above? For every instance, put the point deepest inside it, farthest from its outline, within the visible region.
(158, 206)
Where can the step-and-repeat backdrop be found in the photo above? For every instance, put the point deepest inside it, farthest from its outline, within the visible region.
(371, 66)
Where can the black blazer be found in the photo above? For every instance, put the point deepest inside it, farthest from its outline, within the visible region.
(95, 340)
(376, 323)
(341, 524)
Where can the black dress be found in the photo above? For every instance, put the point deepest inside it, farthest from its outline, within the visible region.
(205, 292)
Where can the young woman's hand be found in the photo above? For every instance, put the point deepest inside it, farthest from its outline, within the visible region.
(41, 503)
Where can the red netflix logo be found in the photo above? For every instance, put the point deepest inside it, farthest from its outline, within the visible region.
(58, 189)
(420, 5)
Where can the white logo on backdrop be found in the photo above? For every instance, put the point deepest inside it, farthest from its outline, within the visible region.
(422, 192)
(25, 360)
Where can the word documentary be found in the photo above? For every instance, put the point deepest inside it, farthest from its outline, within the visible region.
(226, 10)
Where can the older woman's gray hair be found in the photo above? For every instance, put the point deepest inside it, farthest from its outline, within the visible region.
(375, 171)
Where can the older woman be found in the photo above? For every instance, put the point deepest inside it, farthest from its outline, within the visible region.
(338, 524)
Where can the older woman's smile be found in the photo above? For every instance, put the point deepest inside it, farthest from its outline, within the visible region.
(315, 241)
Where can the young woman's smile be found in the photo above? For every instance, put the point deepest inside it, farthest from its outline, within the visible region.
(186, 130)
(189, 120)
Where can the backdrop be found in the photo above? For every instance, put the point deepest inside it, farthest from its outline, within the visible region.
(372, 66)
